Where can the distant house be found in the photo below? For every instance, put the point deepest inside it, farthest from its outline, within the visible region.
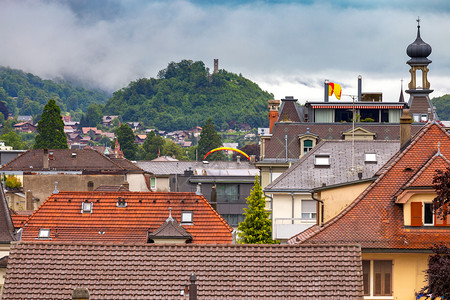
(152, 271)
(73, 170)
(133, 217)
(135, 126)
(66, 119)
(231, 180)
(107, 120)
(25, 119)
(25, 127)
(140, 139)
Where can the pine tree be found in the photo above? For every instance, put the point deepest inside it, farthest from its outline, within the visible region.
(257, 227)
(51, 128)
(153, 146)
(126, 138)
(209, 140)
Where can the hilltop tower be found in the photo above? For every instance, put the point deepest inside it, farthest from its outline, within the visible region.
(419, 102)
(216, 66)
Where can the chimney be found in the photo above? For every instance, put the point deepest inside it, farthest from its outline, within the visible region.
(193, 287)
(216, 66)
(252, 159)
(405, 128)
(274, 106)
(29, 200)
(359, 88)
(45, 159)
(238, 159)
(80, 294)
(326, 84)
(214, 197)
(188, 172)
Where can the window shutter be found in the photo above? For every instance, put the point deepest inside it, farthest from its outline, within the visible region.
(416, 214)
(438, 221)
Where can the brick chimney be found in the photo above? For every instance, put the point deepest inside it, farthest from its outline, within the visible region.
(45, 159)
(274, 106)
(193, 287)
(405, 128)
(80, 294)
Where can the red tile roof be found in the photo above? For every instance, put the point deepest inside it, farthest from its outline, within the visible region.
(374, 219)
(143, 214)
(152, 271)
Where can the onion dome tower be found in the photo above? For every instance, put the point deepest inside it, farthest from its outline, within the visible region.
(419, 101)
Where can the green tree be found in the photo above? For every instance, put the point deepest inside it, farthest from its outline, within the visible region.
(257, 227)
(126, 138)
(51, 128)
(209, 140)
(14, 140)
(174, 150)
(152, 146)
(94, 115)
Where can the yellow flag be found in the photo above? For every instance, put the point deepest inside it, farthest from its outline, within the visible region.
(337, 91)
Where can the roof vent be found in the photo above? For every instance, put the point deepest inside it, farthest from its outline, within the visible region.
(56, 188)
(121, 202)
(86, 207)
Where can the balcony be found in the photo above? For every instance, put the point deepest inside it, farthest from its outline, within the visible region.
(285, 228)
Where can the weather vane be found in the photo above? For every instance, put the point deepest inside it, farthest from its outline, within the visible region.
(418, 21)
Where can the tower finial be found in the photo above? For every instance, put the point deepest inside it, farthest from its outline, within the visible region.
(418, 22)
(170, 215)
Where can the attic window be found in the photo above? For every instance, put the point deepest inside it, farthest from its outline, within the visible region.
(121, 202)
(74, 155)
(187, 217)
(370, 157)
(86, 207)
(322, 160)
(44, 233)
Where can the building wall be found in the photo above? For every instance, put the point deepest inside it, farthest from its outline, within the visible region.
(163, 184)
(336, 199)
(136, 183)
(269, 174)
(408, 275)
(42, 186)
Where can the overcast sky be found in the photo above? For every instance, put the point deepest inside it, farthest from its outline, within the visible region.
(286, 47)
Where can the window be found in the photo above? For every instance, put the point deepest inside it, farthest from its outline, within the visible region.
(377, 277)
(187, 217)
(322, 160)
(227, 192)
(44, 233)
(370, 157)
(153, 183)
(422, 214)
(308, 209)
(423, 117)
(307, 146)
(416, 118)
(233, 219)
(86, 207)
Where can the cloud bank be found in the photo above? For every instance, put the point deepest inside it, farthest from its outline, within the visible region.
(288, 48)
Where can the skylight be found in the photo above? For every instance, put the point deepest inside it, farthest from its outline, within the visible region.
(86, 207)
(186, 217)
(322, 160)
(44, 233)
(370, 157)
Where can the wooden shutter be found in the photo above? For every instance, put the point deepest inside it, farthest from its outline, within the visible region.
(416, 214)
(438, 221)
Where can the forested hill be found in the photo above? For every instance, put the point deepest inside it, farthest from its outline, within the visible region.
(26, 94)
(442, 105)
(185, 95)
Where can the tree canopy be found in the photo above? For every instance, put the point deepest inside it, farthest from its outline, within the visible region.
(209, 140)
(257, 227)
(438, 274)
(126, 137)
(185, 95)
(51, 128)
(152, 146)
(441, 184)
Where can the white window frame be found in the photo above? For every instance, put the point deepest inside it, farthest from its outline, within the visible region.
(187, 217)
(423, 214)
(86, 207)
(311, 215)
(423, 118)
(153, 187)
(44, 233)
(416, 118)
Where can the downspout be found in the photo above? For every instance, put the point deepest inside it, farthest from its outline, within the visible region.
(321, 208)
(286, 146)
(293, 215)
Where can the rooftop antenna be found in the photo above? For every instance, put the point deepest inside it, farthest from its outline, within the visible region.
(353, 167)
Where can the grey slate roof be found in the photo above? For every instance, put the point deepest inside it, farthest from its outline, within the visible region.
(178, 167)
(6, 223)
(152, 271)
(304, 175)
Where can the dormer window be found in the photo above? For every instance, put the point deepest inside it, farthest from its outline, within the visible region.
(307, 146)
(422, 214)
(121, 202)
(322, 160)
(370, 157)
(187, 217)
(44, 233)
(86, 207)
